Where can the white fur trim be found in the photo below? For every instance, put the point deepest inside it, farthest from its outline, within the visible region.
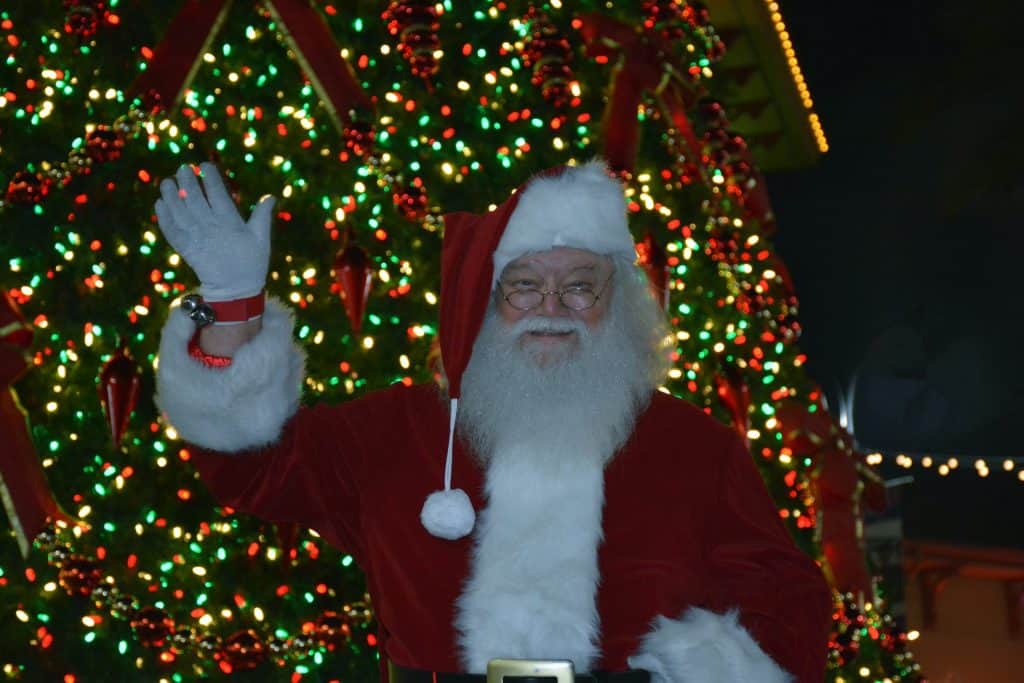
(583, 208)
(448, 514)
(241, 406)
(704, 647)
(532, 587)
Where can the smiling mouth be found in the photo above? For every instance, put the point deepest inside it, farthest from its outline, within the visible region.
(550, 333)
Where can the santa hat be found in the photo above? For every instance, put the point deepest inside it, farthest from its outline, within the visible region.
(567, 206)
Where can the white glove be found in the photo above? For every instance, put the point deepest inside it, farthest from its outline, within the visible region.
(229, 256)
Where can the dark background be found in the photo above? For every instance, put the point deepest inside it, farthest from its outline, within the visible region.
(905, 244)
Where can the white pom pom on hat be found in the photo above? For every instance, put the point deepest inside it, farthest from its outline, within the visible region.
(583, 207)
(448, 514)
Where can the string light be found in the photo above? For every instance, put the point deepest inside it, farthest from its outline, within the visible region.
(797, 73)
(983, 466)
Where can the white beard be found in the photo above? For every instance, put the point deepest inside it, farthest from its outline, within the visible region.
(545, 435)
(581, 403)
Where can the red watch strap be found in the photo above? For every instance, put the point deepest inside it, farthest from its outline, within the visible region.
(237, 310)
(207, 359)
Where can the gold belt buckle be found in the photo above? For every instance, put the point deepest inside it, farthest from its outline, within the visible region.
(561, 671)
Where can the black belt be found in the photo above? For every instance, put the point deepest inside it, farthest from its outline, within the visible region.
(400, 674)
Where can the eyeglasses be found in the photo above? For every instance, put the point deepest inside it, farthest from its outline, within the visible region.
(574, 298)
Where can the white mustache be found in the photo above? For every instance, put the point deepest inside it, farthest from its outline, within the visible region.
(548, 325)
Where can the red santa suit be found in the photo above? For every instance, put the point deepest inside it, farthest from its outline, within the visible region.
(695, 577)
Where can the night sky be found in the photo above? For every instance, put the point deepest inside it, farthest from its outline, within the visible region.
(905, 241)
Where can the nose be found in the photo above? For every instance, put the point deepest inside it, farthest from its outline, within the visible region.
(552, 306)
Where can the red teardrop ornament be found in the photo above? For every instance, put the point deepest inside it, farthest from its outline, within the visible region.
(119, 391)
(354, 276)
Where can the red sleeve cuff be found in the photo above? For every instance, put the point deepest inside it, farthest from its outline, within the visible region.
(209, 360)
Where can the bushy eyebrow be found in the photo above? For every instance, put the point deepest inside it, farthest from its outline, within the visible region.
(525, 270)
(516, 271)
(511, 270)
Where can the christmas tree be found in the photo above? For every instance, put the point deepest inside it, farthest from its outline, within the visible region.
(368, 121)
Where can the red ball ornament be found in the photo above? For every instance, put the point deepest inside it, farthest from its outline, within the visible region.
(354, 276)
(725, 147)
(104, 144)
(711, 114)
(244, 650)
(332, 629)
(548, 53)
(553, 79)
(724, 245)
(359, 137)
(152, 626)
(666, 18)
(699, 14)
(415, 23)
(79, 575)
(84, 17)
(28, 188)
(655, 264)
(412, 201)
(119, 391)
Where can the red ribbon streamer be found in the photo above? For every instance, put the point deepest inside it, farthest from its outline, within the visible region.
(674, 99)
(644, 64)
(317, 52)
(735, 395)
(844, 487)
(176, 58)
(25, 493)
(23, 487)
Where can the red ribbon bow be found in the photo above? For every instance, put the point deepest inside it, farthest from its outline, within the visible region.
(645, 63)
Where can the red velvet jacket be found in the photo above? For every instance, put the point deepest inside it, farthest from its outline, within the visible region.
(687, 522)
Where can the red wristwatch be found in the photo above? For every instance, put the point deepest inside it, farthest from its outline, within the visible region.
(233, 312)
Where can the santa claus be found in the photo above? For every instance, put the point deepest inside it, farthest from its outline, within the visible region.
(587, 522)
